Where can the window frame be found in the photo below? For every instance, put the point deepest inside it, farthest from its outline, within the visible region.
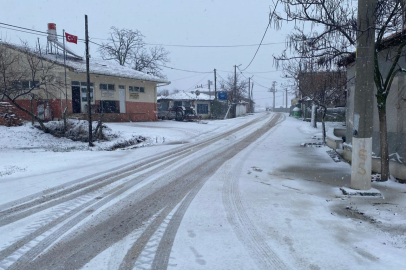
(199, 108)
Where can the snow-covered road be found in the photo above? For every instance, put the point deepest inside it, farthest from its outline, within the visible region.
(236, 194)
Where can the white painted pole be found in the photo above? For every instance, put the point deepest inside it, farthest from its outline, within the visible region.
(361, 164)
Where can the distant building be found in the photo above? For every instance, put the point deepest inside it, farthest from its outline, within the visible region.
(199, 101)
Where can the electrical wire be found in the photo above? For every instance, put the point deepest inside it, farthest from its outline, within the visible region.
(32, 30)
(197, 82)
(185, 70)
(266, 30)
(149, 44)
(185, 78)
(43, 33)
(258, 72)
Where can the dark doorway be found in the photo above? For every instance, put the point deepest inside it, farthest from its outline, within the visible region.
(75, 99)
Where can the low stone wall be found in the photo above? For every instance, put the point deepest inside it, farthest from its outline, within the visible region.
(334, 138)
(396, 169)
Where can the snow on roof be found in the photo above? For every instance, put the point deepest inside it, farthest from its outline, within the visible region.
(104, 67)
(96, 66)
(186, 96)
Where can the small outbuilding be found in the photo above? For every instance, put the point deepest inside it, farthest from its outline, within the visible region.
(199, 101)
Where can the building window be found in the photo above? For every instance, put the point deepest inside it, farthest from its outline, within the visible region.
(177, 103)
(85, 84)
(26, 84)
(203, 108)
(83, 89)
(133, 89)
(136, 89)
(109, 106)
(121, 87)
(107, 90)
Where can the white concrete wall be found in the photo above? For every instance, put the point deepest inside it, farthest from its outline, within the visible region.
(241, 109)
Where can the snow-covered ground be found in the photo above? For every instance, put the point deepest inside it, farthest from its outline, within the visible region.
(275, 205)
(33, 161)
(280, 202)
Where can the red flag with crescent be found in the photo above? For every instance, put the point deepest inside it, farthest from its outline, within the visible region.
(71, 38)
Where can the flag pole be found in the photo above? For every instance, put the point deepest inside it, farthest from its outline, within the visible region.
(64, 64)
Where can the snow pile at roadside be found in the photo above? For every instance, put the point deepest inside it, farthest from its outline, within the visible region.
(27, 137)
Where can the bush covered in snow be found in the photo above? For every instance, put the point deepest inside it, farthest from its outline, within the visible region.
(77, 130)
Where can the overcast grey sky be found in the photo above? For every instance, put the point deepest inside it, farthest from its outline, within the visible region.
(193, 22)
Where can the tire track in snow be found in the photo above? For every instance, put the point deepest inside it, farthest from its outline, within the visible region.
(24, 260)
(243, 226)
(94, 205)
(27, 257)
(163, 253)
(26, 207)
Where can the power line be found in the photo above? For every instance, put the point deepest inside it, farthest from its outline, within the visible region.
(258, 72)
(185, 77)
(28, 29)
(146, 43)
(213, 46)
(198, 82)
(43, 33)
(252, 79)
(266, 30)
(185, 70)
(22, 31)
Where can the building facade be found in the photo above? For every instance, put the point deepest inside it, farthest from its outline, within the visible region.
(120, 93)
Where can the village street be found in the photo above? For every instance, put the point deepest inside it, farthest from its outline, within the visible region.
(234, 194)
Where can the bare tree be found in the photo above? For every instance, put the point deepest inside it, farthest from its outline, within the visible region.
(23, 76)
(324, 89)
(326, 31)
(234, 93)
(127, 47)
(163, 92)
(121, 45)
(150, 60)
(236, 88)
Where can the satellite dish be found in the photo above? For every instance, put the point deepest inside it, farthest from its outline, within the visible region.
(197, 92)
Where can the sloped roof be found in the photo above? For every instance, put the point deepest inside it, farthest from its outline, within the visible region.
(186, 96)
(96, 66)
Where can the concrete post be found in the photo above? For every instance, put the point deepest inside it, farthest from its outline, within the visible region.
(363, 97)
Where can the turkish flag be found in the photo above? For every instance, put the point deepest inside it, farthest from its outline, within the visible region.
(71, 38)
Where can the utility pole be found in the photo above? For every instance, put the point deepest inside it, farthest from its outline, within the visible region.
(215, 85)
(286, 98)
(235, 91)
(363, 97)
(89, 109)
(273, 90)
(252, 97)
(249, 90)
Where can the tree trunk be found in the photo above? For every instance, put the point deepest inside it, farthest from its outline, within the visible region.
(41, 123)
(323, 124)
(383, 138)
(313, 122)
(32, 111)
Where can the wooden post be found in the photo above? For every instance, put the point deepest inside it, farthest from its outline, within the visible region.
(89, 109)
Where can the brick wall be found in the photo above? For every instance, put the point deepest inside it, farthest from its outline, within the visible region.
(8, 115)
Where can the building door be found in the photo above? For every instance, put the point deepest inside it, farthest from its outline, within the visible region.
(122, 100)
(75, 99)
